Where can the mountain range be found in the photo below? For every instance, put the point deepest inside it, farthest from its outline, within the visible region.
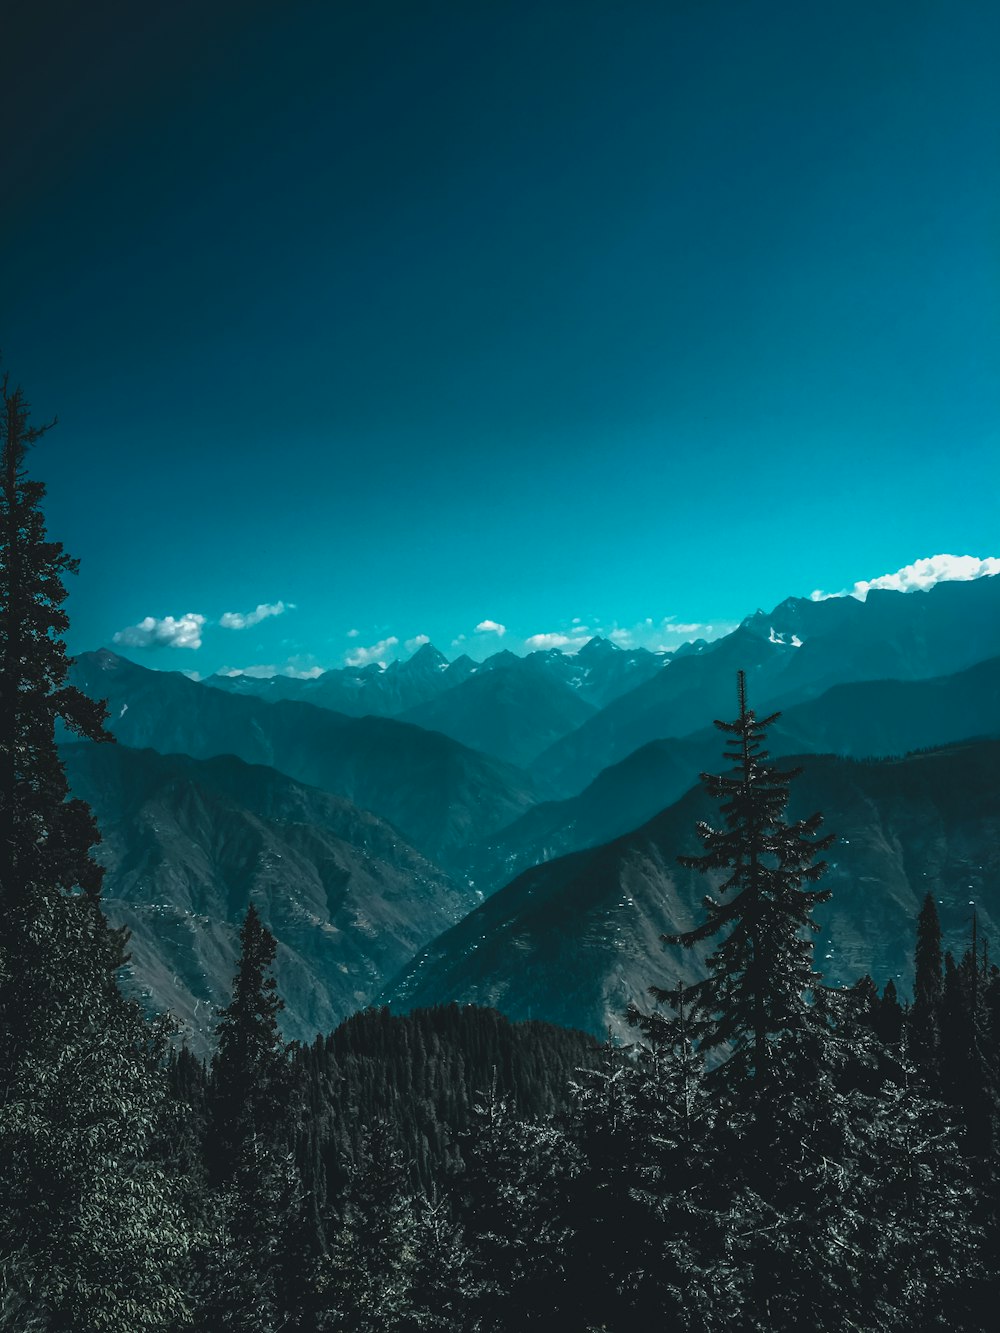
(438, 793)
(188, 843)
(577, 939)
(505, 831)
(866, 719)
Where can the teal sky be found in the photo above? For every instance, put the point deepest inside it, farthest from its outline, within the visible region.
(419, 315)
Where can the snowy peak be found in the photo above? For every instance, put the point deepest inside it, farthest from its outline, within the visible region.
(596, 649)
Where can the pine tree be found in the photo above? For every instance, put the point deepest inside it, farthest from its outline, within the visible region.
(518, 1215)
(80, 1068)
(681, 1274)
(889, 1015)
(968, 1077)
(259, 1203)
(368, 1277)
(249, 1070)
(761, 972)
(928, 991)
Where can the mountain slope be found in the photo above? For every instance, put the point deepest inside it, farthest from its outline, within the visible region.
(868, 719)
(510, 712)
(439, 794)
(188, 843)
(790, 655)
(575, 940)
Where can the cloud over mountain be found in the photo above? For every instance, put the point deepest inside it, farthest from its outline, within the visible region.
(360, 657)
(170, 632)
(239, 620)
(922, 574)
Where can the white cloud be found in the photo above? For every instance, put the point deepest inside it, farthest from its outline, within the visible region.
(353, 633)
(170, 632)
(623, 637)
(580, 629)
(239, 620)
(537, 641)
(411, 645)
(491, 627)
(922, 574)
(376, 653)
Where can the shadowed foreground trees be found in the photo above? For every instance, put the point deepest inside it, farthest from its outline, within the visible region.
(80, 1082)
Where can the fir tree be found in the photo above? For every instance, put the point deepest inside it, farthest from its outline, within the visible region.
(249, 1071)
(520, 1224)
(889, 1015)
(45, 839)
(368, 1277)
(761, 972)
(259, 1204)
(89, 1220)
(928, 991)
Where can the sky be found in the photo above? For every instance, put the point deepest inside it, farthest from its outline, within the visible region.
(369, 322)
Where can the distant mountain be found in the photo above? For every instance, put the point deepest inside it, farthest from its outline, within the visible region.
(575, 940)
(360, 691)
(507, 706)
(439, 794)
(860, 720)
(511, 710)
(600, 672)
(790, 655)
(188, 843)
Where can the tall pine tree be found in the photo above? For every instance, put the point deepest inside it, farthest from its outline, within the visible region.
(249, 1070)
(761, 973)
(80, 1077)
(928, 991)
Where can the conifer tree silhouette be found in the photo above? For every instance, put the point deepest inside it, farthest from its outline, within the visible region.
(761, 972)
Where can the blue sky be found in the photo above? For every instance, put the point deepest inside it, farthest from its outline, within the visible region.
(415, 316)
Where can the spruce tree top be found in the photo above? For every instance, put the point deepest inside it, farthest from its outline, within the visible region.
(45, 839)
(249, 1069)
(761, 973)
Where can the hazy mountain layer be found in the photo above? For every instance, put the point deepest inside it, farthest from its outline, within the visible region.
(507, 706)
(573, 941)
(790, 655)
(438, 793)
(188, 843)
(865, 719)
(509, 712)
(360, 691)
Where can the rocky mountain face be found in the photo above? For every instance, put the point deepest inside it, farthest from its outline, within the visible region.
(188, 843)
(439, 794)
(575, 940)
